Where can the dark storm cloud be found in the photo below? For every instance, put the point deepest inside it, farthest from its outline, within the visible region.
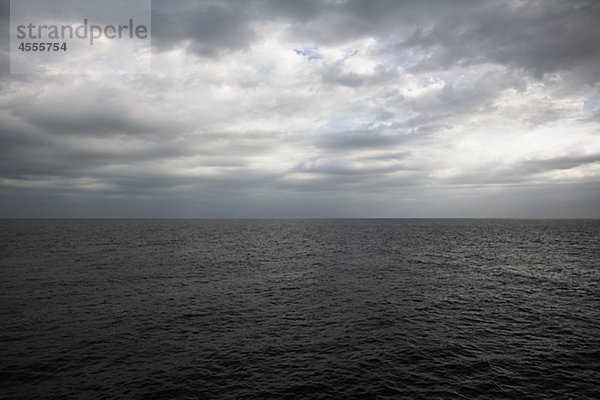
(25, 154)
(4, 12)
(4, 39)
(123, 154)
(215, 27)
(344, 21)
(212, 28)
(537, 36)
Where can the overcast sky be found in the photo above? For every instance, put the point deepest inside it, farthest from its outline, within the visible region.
(289, 108)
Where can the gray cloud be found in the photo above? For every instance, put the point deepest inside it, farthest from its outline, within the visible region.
(319, 108)
(4, 39)
(358, 140)
(211, 28)
(539, 37)
(336, 74)
(560, 163)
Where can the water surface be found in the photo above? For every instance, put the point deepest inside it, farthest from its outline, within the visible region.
(299, 309)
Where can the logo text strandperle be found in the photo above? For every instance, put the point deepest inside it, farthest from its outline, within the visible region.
(82, 31)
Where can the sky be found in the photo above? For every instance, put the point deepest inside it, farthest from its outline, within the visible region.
(285, 108)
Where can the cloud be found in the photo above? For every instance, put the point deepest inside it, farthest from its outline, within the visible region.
(207, 28)
(4, 40)
(538, 37)
(319, 108)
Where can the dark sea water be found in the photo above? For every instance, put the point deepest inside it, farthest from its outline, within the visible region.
(300, 309)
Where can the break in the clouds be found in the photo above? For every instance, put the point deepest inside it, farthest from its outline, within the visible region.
(319, 108)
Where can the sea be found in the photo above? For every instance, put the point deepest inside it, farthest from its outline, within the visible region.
(300, 309)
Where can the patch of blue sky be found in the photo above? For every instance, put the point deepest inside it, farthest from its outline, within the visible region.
(309, 54)
(349, 122)
(358, 121)
(264, 72)
(406, 58)
(591, 103)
